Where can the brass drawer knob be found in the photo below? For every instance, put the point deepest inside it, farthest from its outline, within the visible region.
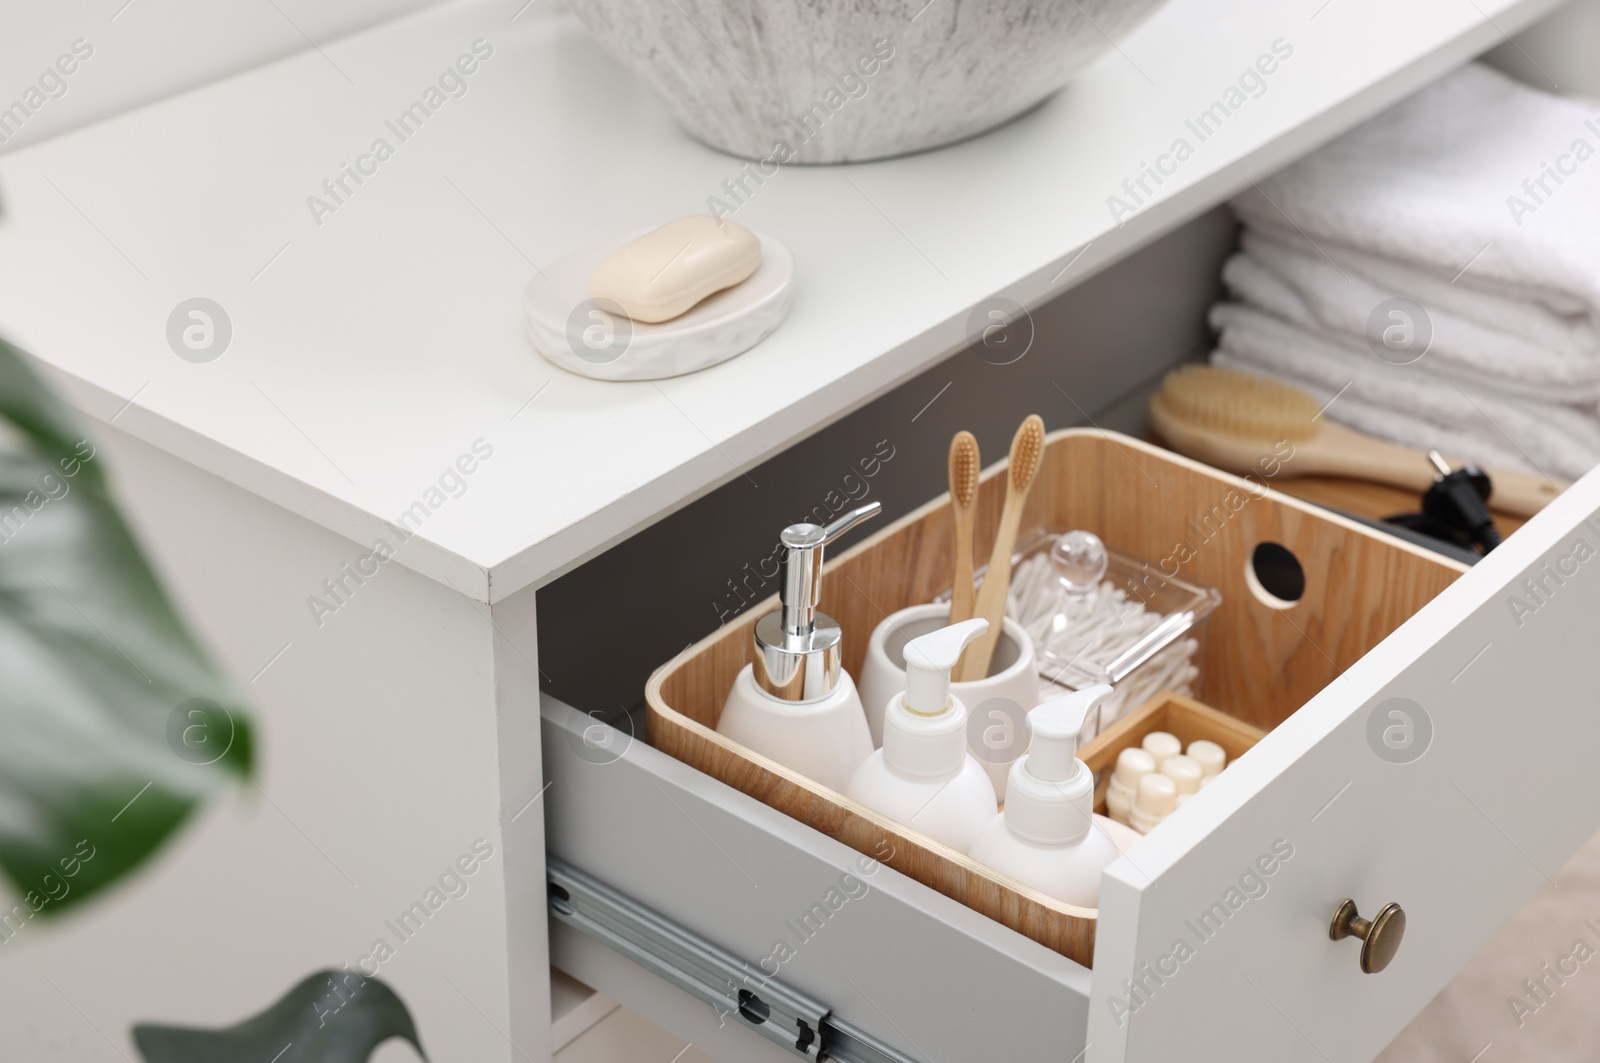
(1380, 936)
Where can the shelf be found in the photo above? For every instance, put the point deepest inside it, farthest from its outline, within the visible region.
(375, 344)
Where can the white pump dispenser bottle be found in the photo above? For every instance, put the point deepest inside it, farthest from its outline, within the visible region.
(796, 704)
(1046, 837)
(923, 776)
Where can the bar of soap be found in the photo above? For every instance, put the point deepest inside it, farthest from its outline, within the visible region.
(667, 271)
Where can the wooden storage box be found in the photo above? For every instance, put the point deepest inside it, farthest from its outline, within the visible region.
(1263, 660)
(1185, 718)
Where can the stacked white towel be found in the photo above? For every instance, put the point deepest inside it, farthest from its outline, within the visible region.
(1478, 200)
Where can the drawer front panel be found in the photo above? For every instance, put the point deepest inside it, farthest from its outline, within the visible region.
(932, 978)
(1449, 771)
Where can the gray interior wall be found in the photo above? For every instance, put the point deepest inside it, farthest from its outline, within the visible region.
(1096, 353)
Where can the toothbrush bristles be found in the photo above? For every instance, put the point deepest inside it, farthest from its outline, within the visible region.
(964, 463)
(1027, 451)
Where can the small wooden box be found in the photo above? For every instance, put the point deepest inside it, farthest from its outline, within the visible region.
(1261, 662)
(1185, 718)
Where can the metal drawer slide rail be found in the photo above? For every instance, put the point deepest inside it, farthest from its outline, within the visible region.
(708, 972)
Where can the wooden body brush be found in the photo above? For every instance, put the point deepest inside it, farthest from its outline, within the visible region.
(1238, 421)
(1027, 452)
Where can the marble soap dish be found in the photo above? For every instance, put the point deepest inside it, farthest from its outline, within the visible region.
(588, 337)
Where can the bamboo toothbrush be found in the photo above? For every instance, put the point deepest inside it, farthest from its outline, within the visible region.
(1252, 424)
(1027, 452)
(964, 467)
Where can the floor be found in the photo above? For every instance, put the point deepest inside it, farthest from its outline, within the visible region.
(623, 1037)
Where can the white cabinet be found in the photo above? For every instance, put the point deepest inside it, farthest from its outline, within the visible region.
(378, 379)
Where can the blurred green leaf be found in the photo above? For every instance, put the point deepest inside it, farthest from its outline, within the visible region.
(330, 1017)
(114, 724)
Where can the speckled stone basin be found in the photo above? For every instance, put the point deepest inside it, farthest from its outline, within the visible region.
(819, 81)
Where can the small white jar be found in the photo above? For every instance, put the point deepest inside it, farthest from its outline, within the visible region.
(1157, 797)
(1133, 764)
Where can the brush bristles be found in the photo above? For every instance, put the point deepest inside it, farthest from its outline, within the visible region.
(964, 469)
(1237, 404)
(1027, 451)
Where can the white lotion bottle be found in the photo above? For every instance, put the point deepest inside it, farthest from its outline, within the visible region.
(1046, 837)
(923, 776)
(796, 704)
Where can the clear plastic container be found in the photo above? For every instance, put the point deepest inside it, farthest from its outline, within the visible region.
(1143, 633)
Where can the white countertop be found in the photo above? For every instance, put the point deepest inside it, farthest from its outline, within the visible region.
(369, 352)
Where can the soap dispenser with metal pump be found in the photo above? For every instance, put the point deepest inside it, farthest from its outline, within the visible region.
(796, 704)
(923, 776)
(1046, 837)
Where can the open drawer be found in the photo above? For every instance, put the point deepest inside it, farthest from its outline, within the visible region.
(1442, 770)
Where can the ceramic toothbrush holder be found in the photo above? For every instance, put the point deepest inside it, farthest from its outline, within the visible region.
(997, 706)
